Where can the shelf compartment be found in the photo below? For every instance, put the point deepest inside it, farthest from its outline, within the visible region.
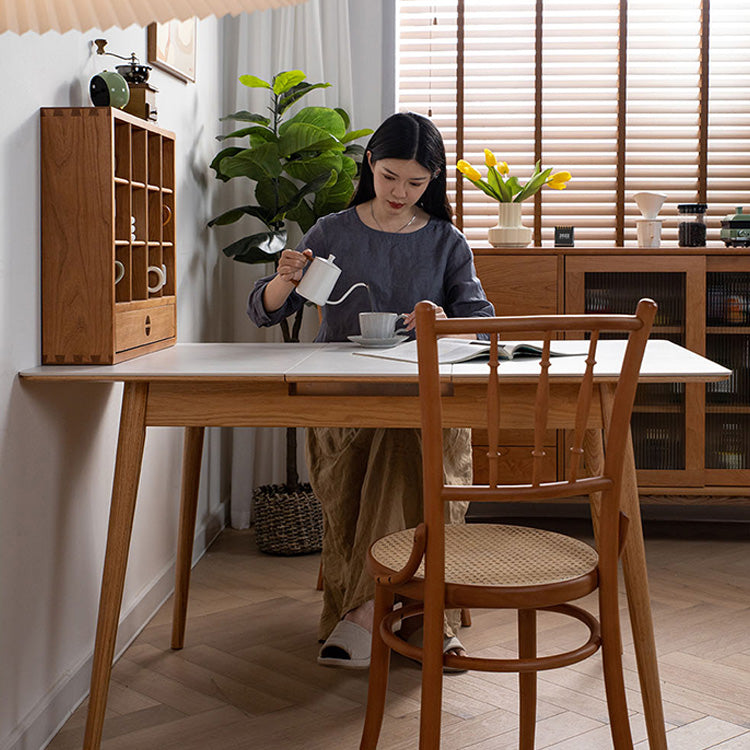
(727, 299)
(727, 441)
(732, 352)
(659, 440)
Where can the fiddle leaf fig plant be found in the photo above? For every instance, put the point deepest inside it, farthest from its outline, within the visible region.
(303, 166)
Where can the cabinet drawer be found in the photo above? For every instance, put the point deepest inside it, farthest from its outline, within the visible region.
(514, 465)
(139, 327)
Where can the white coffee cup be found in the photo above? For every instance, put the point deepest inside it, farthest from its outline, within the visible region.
(378, 325)
(161, 276)
(119, 271)
(649, 232)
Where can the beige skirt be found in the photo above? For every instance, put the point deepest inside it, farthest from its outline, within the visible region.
(369, 483)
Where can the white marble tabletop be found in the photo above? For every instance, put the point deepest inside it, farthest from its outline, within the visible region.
(663, 361)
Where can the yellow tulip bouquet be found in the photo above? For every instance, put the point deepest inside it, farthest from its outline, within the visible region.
(501, 186)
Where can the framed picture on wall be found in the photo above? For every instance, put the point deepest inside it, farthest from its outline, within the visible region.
(171, 47)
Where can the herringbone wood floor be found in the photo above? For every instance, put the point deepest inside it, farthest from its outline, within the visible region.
(247, 677)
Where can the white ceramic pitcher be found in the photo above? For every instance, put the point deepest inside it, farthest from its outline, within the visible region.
(319, 280)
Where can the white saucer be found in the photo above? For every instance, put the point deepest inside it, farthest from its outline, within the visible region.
(378, 343)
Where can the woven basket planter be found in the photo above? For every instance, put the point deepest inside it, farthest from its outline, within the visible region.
(287, 521)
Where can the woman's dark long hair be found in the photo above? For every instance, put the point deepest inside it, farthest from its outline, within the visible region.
(407, 135)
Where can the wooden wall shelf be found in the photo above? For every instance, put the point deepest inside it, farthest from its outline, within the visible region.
(108, 236)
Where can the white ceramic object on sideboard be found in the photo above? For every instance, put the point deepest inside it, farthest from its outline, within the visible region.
(650, 203)
(649, 232)
(509, 232)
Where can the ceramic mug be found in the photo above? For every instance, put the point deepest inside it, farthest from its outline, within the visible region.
(161, 275)
(378, 325)
(119, 271)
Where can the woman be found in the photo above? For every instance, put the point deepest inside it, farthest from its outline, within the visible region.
(399, 238)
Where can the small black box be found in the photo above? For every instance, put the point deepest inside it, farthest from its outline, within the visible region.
(564, 237)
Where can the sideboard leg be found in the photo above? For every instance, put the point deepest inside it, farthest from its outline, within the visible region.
(191, 471)
(124, 493)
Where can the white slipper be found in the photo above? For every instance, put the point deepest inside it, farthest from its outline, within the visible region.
(348, 647)
(450, 643)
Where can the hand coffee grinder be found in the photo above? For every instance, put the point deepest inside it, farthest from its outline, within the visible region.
(142, 94)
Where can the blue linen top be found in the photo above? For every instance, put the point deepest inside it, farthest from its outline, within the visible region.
(433, 263)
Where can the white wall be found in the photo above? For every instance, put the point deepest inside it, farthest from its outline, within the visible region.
(57, 442)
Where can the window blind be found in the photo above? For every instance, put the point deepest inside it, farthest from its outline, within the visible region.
(627, 96)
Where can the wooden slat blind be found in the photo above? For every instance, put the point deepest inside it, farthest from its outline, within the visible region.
(627, 95)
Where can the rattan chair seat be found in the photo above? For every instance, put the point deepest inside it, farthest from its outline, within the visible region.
(497, 555)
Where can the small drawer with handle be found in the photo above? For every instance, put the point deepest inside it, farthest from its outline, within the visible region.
(135, 328)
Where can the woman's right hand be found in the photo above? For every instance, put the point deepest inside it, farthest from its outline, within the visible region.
(292, 264)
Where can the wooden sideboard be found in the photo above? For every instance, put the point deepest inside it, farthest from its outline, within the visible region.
(691, 441)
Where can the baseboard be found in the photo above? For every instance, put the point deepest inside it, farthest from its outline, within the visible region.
(43, 722)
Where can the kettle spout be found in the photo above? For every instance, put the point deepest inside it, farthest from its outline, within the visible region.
(346, 294)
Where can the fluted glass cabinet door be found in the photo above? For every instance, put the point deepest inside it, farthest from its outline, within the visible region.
(667, 419)
(728, 342)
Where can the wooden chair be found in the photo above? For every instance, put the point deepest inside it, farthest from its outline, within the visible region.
(493, 566)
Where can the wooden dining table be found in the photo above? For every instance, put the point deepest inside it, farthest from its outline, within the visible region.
(195, 386)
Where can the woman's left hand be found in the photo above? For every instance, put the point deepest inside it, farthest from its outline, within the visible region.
(410, 318)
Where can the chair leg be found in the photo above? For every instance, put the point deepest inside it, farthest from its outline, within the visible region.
(432, 680)
(319, 585)
(466, 617)
(617, 705)
(378, 679)
(527, 680)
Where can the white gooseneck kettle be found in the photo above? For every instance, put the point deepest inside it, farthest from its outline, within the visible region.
(319, 280)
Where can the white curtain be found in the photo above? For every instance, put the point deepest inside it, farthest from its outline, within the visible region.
(314, 38)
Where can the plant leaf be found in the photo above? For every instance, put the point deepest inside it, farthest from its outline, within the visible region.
(254, 82)
(311, 167)
(324, 118)
(264, 247)
(282, 82)
(533, 185)
(223, 154)
(319, 183)
(255, 163)
(234, 214)
(297, 92)
(302, 136)
(265, 133)
(302, 215)
(273, 195)
(498, 184)
(344, 116)
(244, 116)
(356, 134)
(336, 197)
(514, 185)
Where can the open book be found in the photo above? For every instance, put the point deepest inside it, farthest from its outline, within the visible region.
(451, 350)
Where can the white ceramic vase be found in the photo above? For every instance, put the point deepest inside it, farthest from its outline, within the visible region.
(509, 232)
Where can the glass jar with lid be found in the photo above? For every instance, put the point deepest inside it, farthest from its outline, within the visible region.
(692, 233)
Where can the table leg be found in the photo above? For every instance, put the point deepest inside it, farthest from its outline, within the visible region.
(124, 492)
(191, 471)
(635, 576)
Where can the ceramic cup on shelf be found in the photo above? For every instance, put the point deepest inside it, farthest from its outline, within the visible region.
(649, 232)
(119, 271)
(161, 276)
(378, 325)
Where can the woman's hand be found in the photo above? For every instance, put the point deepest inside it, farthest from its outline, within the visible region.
(410, 318)
(288, 273)
(292, 264)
